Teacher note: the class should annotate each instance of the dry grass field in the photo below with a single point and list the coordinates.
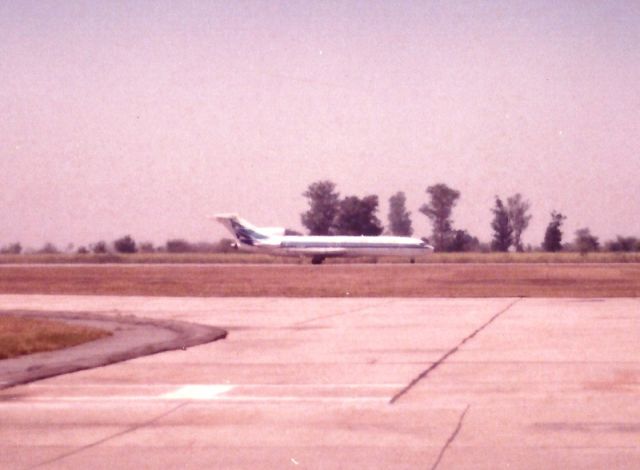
(249, 258)
(330, 280)
(20, 336)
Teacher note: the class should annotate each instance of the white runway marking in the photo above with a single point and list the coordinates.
(197, 392)
(238, 393)
(64, 402)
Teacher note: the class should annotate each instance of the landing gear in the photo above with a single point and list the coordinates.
(412, 260)
(317, 259)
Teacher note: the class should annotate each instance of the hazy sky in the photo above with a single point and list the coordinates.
(143, 117)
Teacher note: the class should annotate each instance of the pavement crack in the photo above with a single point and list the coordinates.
(449, 353)
(113, 436)
(452, 437)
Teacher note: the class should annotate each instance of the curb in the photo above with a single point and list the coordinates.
(131, 337)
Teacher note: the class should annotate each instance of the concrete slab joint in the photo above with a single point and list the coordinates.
(449, 353)
(451, 438)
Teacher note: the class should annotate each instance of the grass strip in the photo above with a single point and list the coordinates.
(331, 280)
(19, 335)
(248, 258)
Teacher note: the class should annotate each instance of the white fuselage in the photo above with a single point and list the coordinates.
(274, 241)
(341, 246)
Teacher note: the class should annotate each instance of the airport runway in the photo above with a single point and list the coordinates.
(345, 383)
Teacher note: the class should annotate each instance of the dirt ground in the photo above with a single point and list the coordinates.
(354, 280)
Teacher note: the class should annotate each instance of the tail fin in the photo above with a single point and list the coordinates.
(242, 230)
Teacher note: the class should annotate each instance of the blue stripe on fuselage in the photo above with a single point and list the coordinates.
(289, 244)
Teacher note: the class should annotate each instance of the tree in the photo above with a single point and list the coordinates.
(517, 209)
(462, 241)
(48, 249)
(125, 244)
(99, 248)
(179, 246)
(585, 242)
(205, 247)
(553, 235)
(358, 216)
(12, 249)
(399, 218)
(147, 247)
(443, 199)
(323, 202)
(226, 245)
(623, 244)
(502, 230)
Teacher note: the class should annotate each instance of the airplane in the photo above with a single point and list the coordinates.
(274, 241)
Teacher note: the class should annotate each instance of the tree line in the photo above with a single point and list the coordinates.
(331, 214)
(127, 245)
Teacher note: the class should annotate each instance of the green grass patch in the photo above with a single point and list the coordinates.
(20, 335)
